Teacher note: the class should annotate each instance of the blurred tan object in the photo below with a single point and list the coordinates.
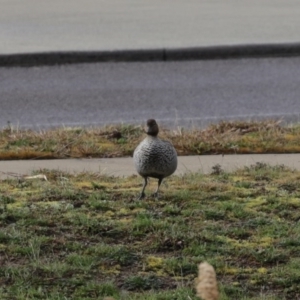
(39, 176)
(206, 285)
(21, 177)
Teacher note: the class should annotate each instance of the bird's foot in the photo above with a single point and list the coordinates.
(142, 195)
(155, 195)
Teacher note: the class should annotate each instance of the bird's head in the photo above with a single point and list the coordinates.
(152, 127)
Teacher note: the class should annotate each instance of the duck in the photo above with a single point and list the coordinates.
(154, 157)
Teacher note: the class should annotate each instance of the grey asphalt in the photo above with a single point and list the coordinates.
(188, 94)
(124, 166)
(92, 26)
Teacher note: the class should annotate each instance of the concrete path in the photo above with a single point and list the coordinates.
(93, 25)
(124, 166)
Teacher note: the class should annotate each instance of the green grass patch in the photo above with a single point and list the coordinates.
(77, 237)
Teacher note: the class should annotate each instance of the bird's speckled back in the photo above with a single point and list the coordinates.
(154, 157)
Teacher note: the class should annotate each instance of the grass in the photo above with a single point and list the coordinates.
(87, 237)
(117, 141)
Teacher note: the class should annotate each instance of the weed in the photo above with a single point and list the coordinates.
(142, 283)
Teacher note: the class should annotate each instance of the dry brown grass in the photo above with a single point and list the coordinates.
(117, 141)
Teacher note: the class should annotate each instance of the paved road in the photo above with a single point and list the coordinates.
(176, 93)
(39, 26)
(186, 94)
(124, 166)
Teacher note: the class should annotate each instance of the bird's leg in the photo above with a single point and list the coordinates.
(159, 183)
(143, 189)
